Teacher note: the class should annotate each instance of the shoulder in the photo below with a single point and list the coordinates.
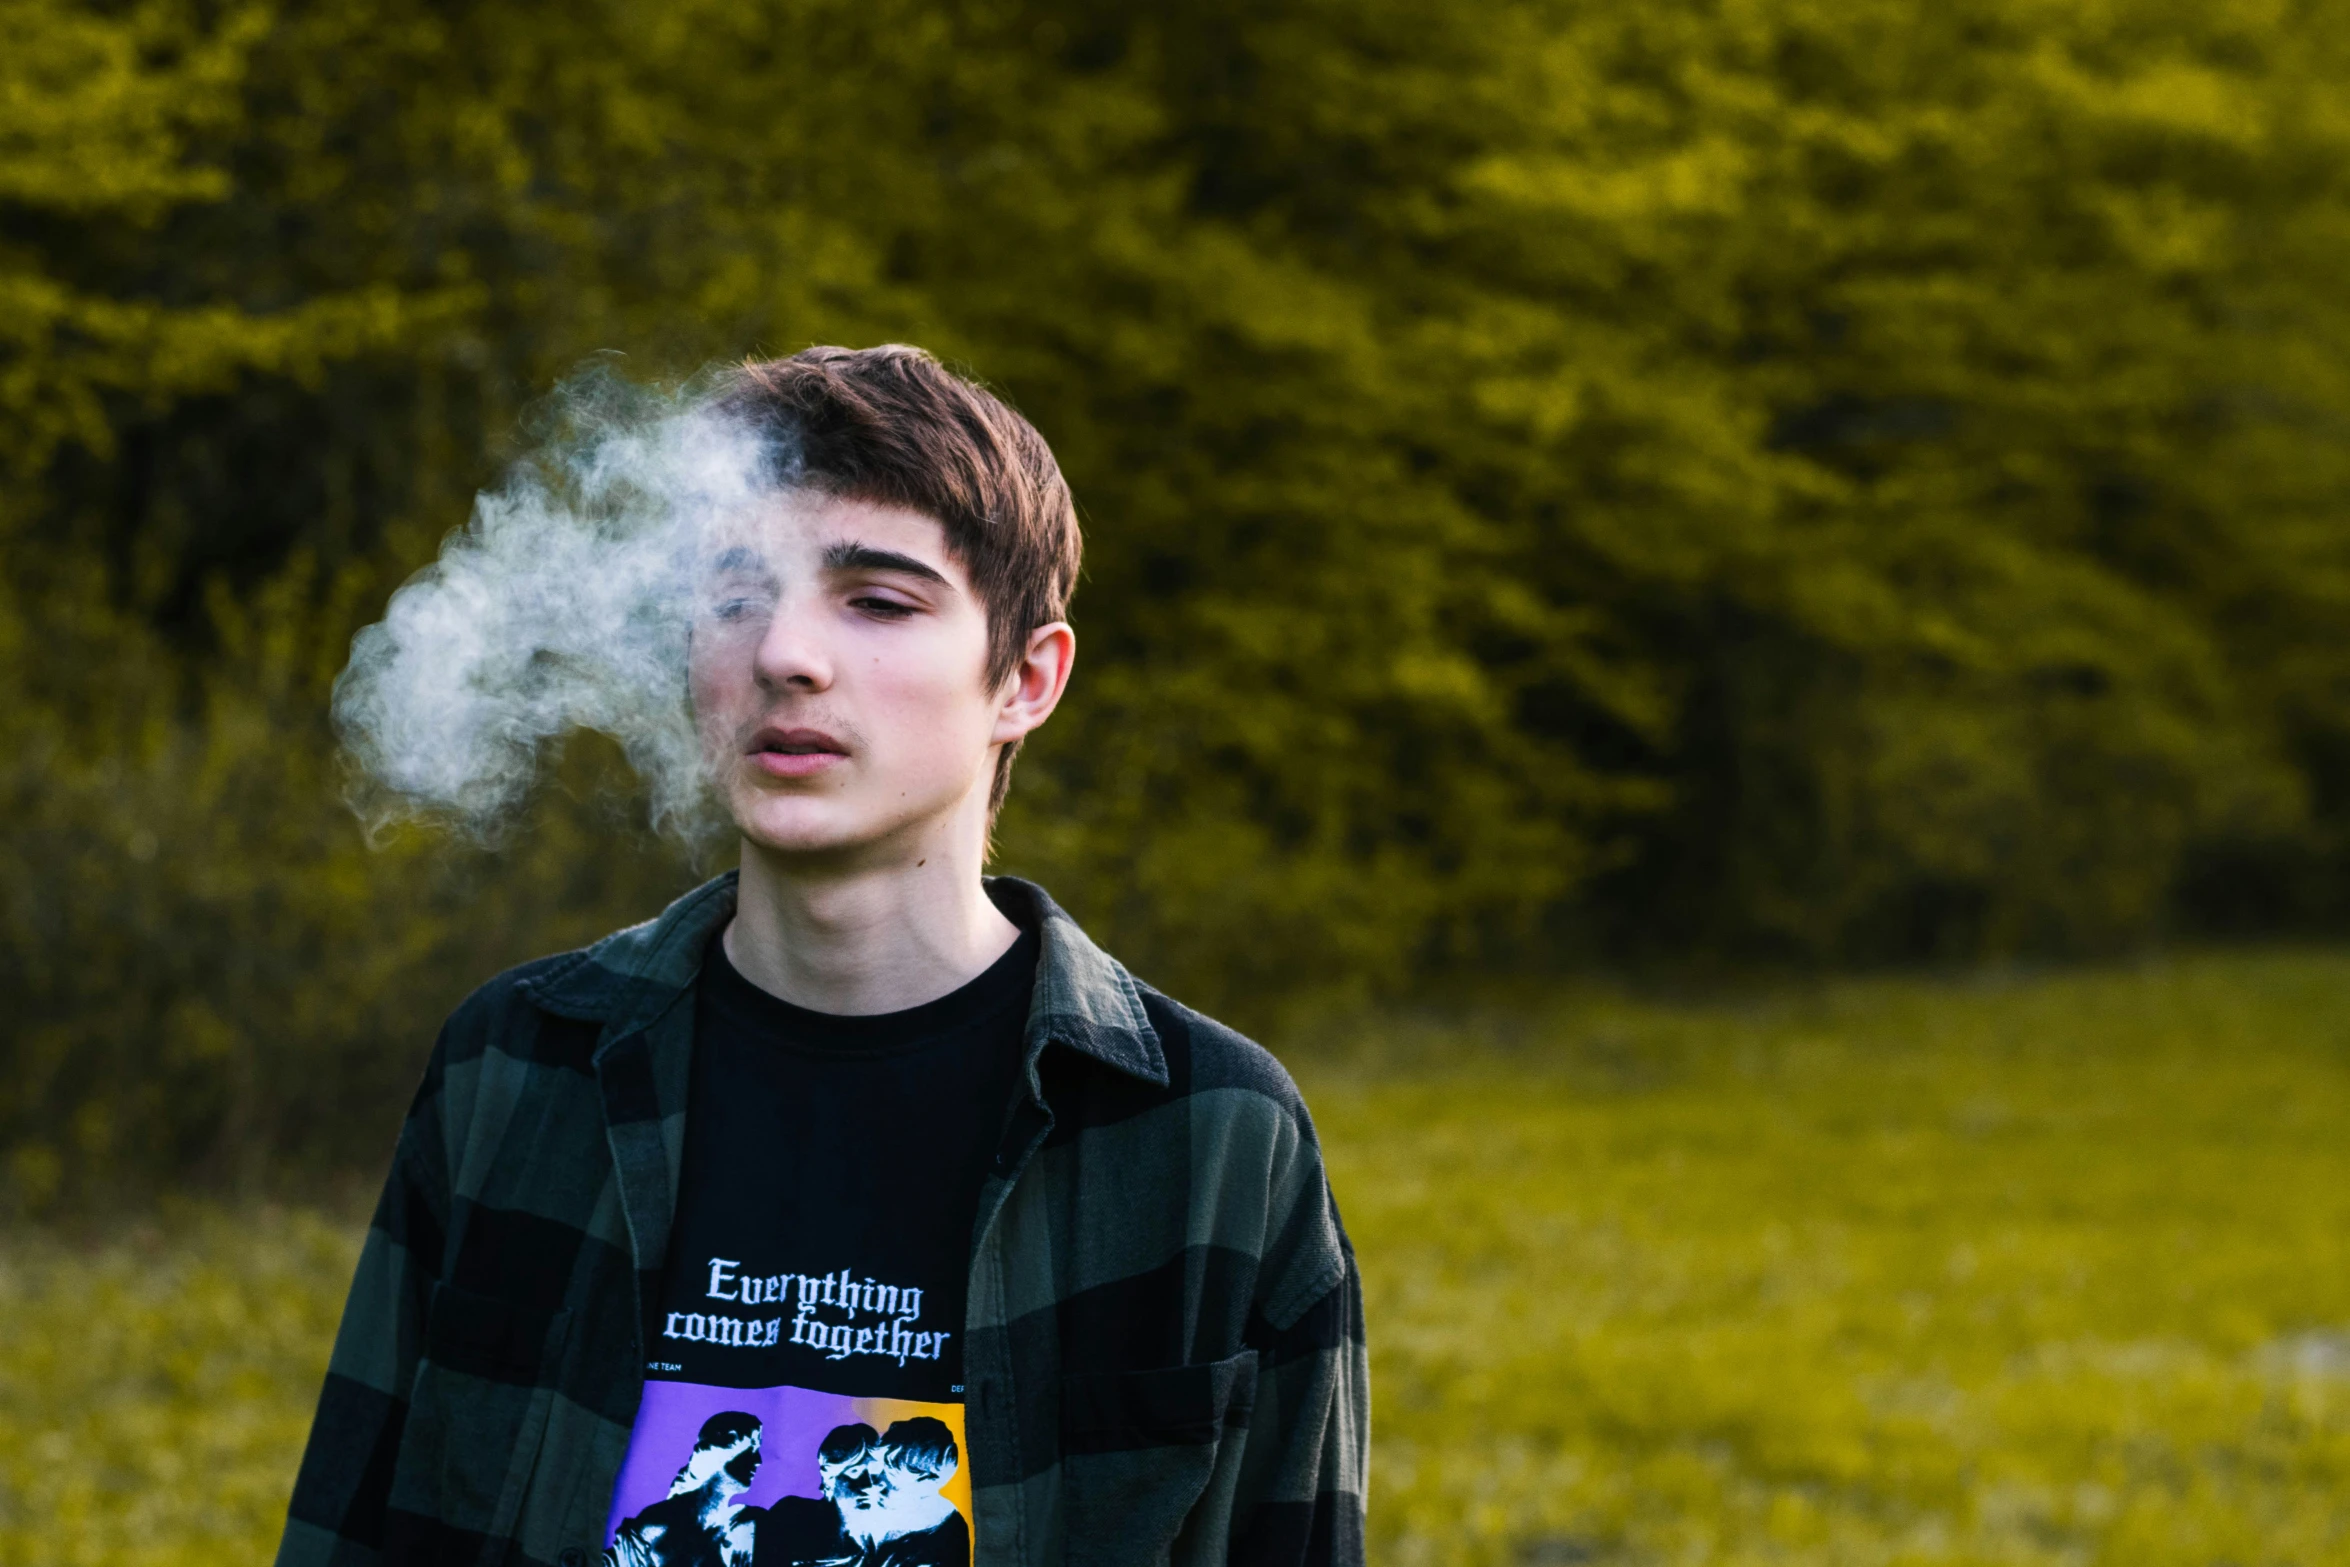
(1087, 998)
(1248, 1116)
(507, 1011)
(498, 997)
(500, 1041)
(1205, 1056)
(571, 994)
(669, 1510)
(1240, 1102)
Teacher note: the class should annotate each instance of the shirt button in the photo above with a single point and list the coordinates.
(572, 1556)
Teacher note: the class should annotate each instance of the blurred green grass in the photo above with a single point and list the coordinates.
(2038, 1270)
(2045, 1271)
(156, 1383)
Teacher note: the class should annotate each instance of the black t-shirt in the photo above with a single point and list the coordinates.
(804, 1386)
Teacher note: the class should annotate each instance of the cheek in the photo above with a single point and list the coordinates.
(710, 690)
(938, 716)
(942, 691)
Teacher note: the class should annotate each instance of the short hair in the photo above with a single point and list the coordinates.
(921, 1443)
(843, 1443)
(724, 1430)
(894, 427)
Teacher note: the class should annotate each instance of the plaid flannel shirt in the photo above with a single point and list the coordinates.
(1164, 1354)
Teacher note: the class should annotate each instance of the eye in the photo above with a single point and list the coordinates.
(881, 608)
(730, 609)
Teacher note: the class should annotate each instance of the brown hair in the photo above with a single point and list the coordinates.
(893, 426)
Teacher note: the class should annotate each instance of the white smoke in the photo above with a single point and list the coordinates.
(563, 604)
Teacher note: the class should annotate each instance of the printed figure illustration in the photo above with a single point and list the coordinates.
(881, 1504)
(699, 1523)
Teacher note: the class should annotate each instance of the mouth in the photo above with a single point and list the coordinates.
(795, 753)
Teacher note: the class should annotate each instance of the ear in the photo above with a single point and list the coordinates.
(1035, 687)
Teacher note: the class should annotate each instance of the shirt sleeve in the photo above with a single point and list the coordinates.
(342, 1491)
(1304, 1484)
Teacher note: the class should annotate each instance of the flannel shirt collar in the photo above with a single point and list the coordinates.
(1085, 1000)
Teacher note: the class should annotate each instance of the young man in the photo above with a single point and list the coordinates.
(858, 1209)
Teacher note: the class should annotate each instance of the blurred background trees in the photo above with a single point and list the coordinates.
(1787, 480)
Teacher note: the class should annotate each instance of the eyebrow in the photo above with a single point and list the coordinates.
(847, 556)
(740, 559)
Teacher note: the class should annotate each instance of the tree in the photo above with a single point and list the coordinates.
(1856, 481)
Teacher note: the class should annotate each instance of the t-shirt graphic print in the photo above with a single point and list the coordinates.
(803, 1396)
(795, 1475)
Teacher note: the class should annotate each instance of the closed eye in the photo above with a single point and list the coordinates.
(739, 598)
(882, 608)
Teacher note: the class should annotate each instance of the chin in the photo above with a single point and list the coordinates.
(797, 830)
(852, 820)
(808, 825)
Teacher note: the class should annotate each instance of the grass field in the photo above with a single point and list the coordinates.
(2050, 1270)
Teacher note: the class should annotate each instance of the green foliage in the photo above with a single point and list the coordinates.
(2043, 1272)
(1818, 481)
(209, 971)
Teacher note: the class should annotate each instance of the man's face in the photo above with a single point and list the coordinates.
(909, 1483)
(727, 1469)
(856, 1483)
(839, 676)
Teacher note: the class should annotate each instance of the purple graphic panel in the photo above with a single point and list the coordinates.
(750, 1448)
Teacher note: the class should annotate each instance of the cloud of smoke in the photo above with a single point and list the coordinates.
(564, 603)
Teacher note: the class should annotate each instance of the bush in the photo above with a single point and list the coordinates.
(1838, 483)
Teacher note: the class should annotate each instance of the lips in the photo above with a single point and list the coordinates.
(795, 753)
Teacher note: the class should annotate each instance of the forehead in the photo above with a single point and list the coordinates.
(796, 528)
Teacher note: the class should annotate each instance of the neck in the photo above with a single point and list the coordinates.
(920, 1512)
(855, 939)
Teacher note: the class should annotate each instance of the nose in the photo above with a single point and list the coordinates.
(790, 655)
